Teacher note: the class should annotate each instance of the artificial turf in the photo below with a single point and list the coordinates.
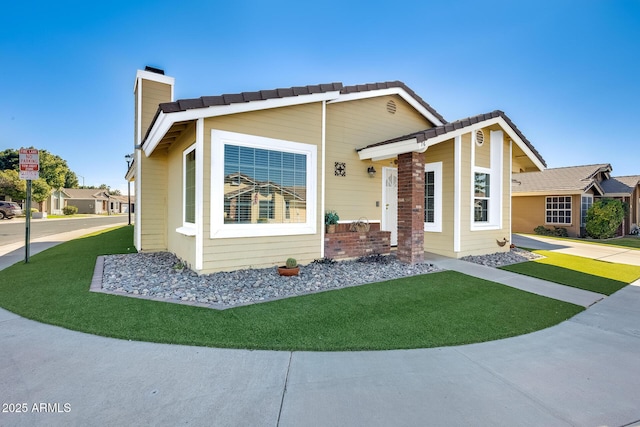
(579, 272)
(438, 309)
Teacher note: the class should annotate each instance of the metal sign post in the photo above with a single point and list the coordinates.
(27, 228)
(29, 170)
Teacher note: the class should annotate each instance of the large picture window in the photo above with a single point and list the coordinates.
(482, 194)
(264, 186)
(558, 210)
(261, 186)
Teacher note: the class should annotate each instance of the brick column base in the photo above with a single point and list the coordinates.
(411, 208)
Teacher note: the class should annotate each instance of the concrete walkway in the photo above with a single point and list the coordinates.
(525, 283)
(607, 253)
(582, 372)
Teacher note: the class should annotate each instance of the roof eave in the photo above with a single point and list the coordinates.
(164, 121)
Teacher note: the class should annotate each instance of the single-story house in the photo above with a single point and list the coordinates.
(90, 200)
(239, 180)
(560, 197)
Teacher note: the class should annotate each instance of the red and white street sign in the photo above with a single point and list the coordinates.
(29, 163)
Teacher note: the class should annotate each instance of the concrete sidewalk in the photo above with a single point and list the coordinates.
(600, 252)
(582, 372)
(519, 281)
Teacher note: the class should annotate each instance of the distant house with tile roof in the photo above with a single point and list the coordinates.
(560, 197)
(238, 180)
(87, 200)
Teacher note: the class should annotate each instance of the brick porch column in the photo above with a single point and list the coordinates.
(411, 208)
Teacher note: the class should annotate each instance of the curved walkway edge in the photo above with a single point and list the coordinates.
(581, 372)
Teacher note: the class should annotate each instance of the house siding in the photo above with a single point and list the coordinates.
(352, 125)
(182, 246)
(529, 212)
(153, 202)
(302, 124)
(442, 242)
(154, 93)
(479, 242)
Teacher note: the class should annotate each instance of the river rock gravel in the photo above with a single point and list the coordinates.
(162, 275)
(500, 259)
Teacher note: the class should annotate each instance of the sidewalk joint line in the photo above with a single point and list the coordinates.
(284, 391)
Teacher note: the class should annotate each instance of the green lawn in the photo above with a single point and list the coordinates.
(439, 309)
(584, 273)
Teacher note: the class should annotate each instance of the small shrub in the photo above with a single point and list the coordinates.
(541, 230)
(70, 210)
(604, 217)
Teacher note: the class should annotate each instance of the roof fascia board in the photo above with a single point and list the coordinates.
(616, 195)
(165, 120)
(392, 150)
(546, 193)
(382, 152)
(389, 91)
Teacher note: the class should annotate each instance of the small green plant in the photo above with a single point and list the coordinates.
(291, 263)
(70, 210)
(331, 217)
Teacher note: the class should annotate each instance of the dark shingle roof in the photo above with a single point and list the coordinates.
(426, 134)
(620, 184)
(228, 99)
(235, 98)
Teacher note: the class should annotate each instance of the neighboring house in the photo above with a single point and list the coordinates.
(123, 203)
(560, 197)
(233, 181)
(626, 189)
(56, 201)
(90, 200)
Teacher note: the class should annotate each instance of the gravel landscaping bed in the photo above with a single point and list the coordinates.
(162, 275)
(503, 258)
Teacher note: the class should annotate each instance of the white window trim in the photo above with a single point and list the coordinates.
(188, 228)
(588, 196)
(564, 224)
(221, 230)
(495, 172)
(436, 225)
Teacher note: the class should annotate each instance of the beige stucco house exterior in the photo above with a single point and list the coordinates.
(243, 180)
(560, 197)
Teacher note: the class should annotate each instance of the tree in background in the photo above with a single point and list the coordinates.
(53, 168)
(11, 185)
(604, 217)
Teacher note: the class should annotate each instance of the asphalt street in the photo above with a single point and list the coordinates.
(13, 230)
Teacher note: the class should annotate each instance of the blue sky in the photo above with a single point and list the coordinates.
(566, 72)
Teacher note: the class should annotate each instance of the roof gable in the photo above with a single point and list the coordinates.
(421, 140)
(568, 180)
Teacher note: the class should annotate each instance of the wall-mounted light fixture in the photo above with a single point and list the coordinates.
(371, 171)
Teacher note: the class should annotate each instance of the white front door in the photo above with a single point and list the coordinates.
(390, 203)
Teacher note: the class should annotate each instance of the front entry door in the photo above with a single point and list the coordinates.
(390, 203)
